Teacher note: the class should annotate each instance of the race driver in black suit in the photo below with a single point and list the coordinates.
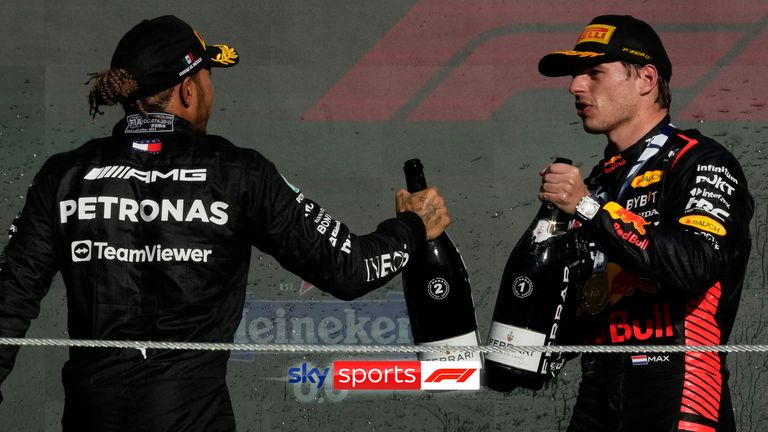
(152, 229)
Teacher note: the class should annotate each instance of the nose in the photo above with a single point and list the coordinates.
(578, 84)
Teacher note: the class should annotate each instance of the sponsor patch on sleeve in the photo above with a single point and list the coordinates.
(703, 223)
(618, 212)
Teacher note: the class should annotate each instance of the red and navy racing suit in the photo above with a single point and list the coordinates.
(152, 230)
(673, 241)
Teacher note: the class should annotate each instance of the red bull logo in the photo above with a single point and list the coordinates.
(630, 237)
(626, 216)
(656, 324)
(613, 163)
(623, 283)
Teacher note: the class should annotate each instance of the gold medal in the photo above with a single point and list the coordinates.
(594, 295)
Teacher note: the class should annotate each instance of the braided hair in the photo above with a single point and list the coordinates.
(120, 86)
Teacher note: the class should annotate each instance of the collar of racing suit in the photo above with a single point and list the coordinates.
(631, 154)
(155, 122)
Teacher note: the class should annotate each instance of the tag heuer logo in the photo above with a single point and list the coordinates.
(81, 250)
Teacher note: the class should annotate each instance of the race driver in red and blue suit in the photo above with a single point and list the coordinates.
(668, 212)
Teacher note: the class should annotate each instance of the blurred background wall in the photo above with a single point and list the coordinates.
(338, 94)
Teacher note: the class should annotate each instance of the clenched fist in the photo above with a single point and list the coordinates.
(562, 185)
(429, 205)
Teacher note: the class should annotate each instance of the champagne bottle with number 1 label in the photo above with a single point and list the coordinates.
(437, 291)
(532, 301)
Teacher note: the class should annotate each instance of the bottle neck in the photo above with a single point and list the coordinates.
(549, 222)
(414, 176)
(416, 184)
(548, 211)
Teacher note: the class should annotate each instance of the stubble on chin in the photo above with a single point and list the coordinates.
(591, 130)
(595, 124)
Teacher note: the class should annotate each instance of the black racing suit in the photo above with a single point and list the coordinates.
(672, 254)
(152, 230)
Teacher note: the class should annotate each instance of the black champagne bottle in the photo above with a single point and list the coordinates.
(531, 302)
(437, 291)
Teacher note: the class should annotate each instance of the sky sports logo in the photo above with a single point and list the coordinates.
(392, 375)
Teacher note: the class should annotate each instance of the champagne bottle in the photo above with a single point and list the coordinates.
(437, 290)
(531, 303)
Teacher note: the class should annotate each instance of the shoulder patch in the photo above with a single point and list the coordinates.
(703, 223)
(690, 143)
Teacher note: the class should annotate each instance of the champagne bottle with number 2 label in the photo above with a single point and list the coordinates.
(437, 290)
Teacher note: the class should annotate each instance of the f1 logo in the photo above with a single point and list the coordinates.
(442, 375)
(81, 250)
(463, 60)
(458, 375)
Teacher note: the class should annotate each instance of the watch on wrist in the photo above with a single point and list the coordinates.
(588, 207)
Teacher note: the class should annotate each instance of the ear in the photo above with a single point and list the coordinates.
(187, 92)
(648, 79)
